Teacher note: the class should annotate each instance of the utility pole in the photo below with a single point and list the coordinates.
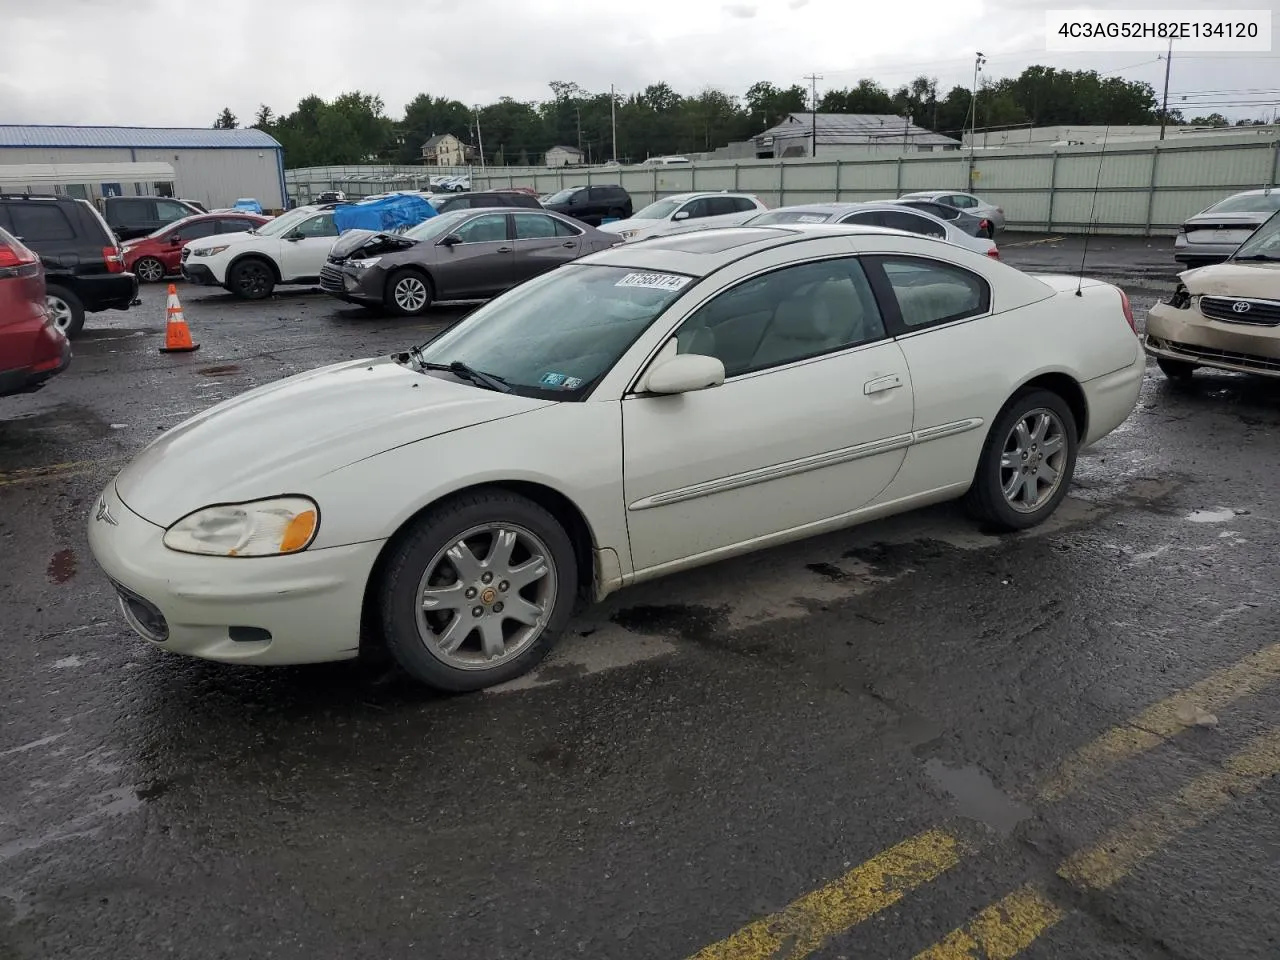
(1164, 105)
(613, 121)
(813, 79)
(978, 61)
(479, 139)
(577, 108)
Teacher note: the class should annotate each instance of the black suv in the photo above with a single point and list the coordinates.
(132, 217)
(84, 269)
(484, 198)
(592, 204)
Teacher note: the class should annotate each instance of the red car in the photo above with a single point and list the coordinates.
(32, 348)
(158, 255)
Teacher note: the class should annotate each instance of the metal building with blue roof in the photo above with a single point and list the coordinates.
(214, 167)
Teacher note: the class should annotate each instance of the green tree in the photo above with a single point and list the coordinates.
(1212, 120)
(226, 120)
(264, 119)
(767, 104)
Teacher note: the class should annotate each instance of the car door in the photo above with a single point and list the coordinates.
(694, 210)
(132, 217)
(960, 375)
(304, 248)
(175, 239)
(811, 423)
(541, 243)
(480, 263)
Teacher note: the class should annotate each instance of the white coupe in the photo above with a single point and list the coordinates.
(635, 413)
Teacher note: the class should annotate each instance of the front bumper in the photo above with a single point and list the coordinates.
(365, 286)
(1188, 335)
(200, 274)
(298, 609)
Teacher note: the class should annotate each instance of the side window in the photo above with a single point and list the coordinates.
(930, 292)
(235, 225)
(564, 230)
(742, 205)
(486, 228)
(318, 226)
(168, 210)
(130, 211)
(867, 218)
(190, 231)
(790, 314)
(963, 201)
(534, 226)
(721, 206)
(695, 209)
(901, 220)
(37, 222)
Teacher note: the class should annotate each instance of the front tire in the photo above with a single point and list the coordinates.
(408, 294)
(251, 279)
(66, 308)
(1178, 370)
(477, 591)
(149, 270)
(1027, 462)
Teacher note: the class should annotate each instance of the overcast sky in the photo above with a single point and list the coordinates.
(178, 62)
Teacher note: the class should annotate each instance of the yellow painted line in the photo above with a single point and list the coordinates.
(1006, 928)
(803, 926)
(1163, 720)
(1001, 931)
(48, 472)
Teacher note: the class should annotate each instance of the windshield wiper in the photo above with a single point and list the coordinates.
(466, 372)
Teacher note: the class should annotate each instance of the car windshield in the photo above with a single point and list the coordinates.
(1263, 243)
(788, 216)
(1248, 203)
(283, 223)
(555, 336)
(659, 211)
(562, 196)
(175, 226)
(437, 227)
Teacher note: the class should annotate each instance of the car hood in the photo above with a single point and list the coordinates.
(1259, 279)
(633, 224)
(275, 439)
(368, 242)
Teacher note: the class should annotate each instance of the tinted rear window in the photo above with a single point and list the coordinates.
(40, 222)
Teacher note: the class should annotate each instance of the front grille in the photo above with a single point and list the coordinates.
(1247, 360)
(331, 279)
(1258, 312)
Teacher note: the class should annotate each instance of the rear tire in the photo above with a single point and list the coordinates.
(514, 564)
(409, 293)
(149, 270)
(1178, 370)
(66, 308)
(251, 279)
(1032, 442)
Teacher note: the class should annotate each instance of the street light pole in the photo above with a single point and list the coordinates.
(479, 138)
(613, 120)
(1164, 105)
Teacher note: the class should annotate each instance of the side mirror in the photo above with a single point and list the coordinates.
(684, 373)
(681, 215)
(452, 240)
(175, 239)
(293, 236)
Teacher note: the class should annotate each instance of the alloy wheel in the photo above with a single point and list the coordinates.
(1032, 461)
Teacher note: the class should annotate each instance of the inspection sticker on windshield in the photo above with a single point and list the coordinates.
(812, 218)
(573, 383)
(553, 379)
(653, 281)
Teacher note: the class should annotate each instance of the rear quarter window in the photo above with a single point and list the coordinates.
(40, 222)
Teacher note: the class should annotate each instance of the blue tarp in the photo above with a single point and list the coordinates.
(387, 214)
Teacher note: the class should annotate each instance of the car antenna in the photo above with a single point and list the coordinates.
(1097, 184)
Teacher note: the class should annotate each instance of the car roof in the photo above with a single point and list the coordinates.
(706, 193)
(702, 252)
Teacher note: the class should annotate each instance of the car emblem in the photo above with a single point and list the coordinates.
(104, 513)
(1240, 306)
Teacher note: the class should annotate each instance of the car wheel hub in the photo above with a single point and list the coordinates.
(410, 294)
(60, 310)
(486, 597)
(1031, 464)
(150, 270)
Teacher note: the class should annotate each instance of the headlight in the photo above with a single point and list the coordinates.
(363, 264)
(628, 234)
(209, 251)
(263, 528)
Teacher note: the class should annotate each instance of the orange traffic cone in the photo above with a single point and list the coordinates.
(177, 335)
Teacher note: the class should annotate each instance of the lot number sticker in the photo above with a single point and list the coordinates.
(653, 281)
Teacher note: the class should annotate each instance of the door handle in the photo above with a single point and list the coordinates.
(504, 249)
(571, 243)
(881, 384)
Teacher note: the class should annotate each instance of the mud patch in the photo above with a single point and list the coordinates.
(62, 567)
(828, 571)
(892, 559)
(691, 622)
(223, 370)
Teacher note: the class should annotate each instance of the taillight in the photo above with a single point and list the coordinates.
(18, 261)
(115, 259)
(1128, 311)
(993, 253)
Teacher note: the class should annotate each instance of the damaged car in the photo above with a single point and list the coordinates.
(461, 255)
(1226, 315)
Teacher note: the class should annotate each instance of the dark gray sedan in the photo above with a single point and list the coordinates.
(460, 255)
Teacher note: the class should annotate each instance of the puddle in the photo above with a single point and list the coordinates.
(689, 622)
(892, 559)
(975, 796)
(1220, 515)
(225, 370)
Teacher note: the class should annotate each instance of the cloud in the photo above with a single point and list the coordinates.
(797, 4)
(743, 11)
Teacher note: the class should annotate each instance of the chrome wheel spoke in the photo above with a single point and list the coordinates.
(1041, 428)
(491, 637)
(456, 633)
(1023, 435)
(528, 572)
(1013, 485)
(1030, 488)
(499, 559)
(1011, 460)
(451, 597)
(1053, 445)
(1032, 465)
(1047, 474)
(522, 611)
(464, 562)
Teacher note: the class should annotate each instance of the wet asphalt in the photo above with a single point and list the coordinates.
(697, 754)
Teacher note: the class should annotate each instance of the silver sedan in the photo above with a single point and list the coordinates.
(1214, 233)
